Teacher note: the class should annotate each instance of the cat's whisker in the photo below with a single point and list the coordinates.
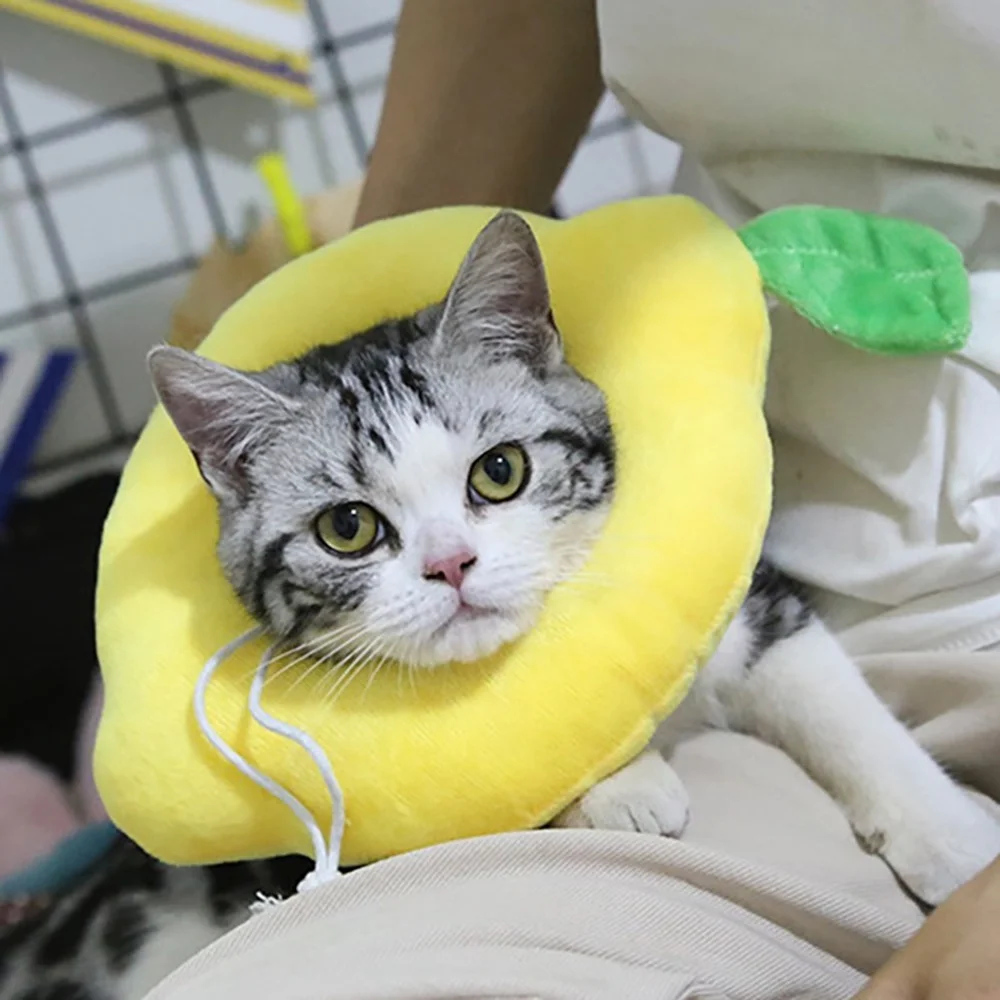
(386, 656)
(372, 638)
(322, 663)
(316, 666)
(358, 661)
(356, 651)
(363, 662)
(308, 648)
(317, 642)
(333, 692)
(335, 680)
(325, 651)
(247, 674)
(339, 639)
(362, 631)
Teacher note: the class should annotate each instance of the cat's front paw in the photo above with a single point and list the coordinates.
(645, 796)
(938, 852)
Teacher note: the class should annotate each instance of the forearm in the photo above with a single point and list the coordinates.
(486, 102)
(955, 955)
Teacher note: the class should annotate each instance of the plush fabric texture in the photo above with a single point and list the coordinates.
(881, 284)
(661, 304)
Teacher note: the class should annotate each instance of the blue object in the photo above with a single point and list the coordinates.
(64, 866)
(32, 379)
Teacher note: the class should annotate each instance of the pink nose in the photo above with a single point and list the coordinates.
(451, 569)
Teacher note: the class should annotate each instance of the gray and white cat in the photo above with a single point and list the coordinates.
(418, 488)
(416, 491)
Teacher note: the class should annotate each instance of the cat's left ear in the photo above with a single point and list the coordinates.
(223, 414)
(499, 300)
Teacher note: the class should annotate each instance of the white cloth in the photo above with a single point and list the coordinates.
(887, 470)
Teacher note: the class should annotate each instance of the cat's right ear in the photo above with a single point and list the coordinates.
(222, 414)
(499, 300)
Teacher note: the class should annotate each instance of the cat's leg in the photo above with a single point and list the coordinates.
(803, 693)
(645, 796)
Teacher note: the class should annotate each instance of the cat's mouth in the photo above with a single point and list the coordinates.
(470, 632)
(466, 613)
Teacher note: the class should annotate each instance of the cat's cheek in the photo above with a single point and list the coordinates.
(515, 565)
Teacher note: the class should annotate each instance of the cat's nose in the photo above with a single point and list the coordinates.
(450, 569)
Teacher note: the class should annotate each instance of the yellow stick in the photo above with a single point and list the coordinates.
(288, 205)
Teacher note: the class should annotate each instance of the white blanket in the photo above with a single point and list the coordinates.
(887, 470)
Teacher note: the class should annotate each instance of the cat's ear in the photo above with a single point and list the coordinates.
(222, 414)
(500, 297)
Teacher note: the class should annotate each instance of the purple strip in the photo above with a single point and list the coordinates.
(265, 66)
(21, 445)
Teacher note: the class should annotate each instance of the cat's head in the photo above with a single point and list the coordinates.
(415, 491)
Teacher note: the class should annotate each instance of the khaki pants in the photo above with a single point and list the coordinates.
(768, 895)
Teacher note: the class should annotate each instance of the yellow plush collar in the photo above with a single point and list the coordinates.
(661, 305)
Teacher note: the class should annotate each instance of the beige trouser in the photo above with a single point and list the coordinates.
(768, 895)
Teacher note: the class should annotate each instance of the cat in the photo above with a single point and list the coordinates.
(416, 491)
(128, 923)
(419, 487)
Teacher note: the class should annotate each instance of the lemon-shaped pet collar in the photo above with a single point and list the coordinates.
(661, 304)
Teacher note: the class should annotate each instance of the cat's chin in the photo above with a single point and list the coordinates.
(472, 634)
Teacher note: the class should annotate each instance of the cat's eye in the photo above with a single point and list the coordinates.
(498, 475)
(349, 529)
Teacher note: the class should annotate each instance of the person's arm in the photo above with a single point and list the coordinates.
(485, 104)
(955, 955)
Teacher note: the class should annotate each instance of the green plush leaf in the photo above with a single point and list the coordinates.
(881, 284)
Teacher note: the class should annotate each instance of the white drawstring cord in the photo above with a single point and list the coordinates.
(328, 869)
(327, 853)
